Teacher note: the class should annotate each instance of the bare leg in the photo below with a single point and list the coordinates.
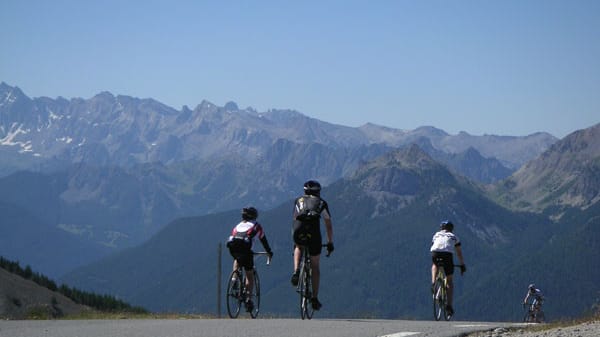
(297, 254)
(433, 272)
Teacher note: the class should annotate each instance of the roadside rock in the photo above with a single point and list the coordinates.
(587, 329)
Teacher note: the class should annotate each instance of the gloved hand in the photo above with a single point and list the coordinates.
(270, 254)
(329, 247)
(463, 269)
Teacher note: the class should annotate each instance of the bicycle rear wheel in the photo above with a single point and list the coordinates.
(234, 294)
(439, 300)
(255, 296)
(539, 317)
(302, 291)
(306, 302)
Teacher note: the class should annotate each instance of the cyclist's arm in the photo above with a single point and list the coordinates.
(328, 229)
(265, 244)
(459, 254)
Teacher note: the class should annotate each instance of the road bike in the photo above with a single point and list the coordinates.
(533, 312)
(237, 294)
(304, 287)
(440, 293)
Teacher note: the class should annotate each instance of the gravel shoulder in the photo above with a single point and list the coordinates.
(587, 329)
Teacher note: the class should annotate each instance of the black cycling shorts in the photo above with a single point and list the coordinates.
(242, 252)
(445, 260)
(308, 234)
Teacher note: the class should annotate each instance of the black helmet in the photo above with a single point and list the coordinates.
(312, 187)
(447, 225)
(249, 213)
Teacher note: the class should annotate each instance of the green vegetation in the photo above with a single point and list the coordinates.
(104, 303)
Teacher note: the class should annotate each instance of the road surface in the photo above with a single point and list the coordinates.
(241, 327)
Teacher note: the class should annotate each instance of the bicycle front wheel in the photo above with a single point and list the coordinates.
(255, 296)
(439, 300)
(527, 317)
(234, 294)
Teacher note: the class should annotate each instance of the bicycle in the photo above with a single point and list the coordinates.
(236, 290)
(440, 294)
(304, 287)
(533, 312)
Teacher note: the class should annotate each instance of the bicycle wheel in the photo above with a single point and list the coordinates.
(539, 317)
(302, 291)
(439, 300)
(527, 317)
(234, 294)
(255, 296)
(306, 303)
(530, 315)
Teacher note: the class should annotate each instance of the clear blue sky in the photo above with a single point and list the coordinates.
(484, 67)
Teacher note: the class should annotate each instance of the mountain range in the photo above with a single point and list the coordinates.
(108, 172)
(384, 216)
(146, 192)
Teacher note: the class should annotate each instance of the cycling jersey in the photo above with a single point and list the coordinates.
(241, 239)
(536, 295)
(444, 241)
(310, 208)
(247, 231)
(306, 227)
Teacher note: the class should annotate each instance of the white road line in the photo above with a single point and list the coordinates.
(401, 334)
(470, 325)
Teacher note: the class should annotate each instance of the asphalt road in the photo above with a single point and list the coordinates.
(240, 327)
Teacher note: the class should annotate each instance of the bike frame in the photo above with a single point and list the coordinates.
(534, 313)
(237, 297)
(440, 294)
(304, 288)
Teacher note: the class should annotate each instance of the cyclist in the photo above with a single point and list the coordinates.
(308, 210)
(536, 294)
(443, 244)
(240, 247)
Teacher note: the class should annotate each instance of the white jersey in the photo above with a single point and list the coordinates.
(444, 241)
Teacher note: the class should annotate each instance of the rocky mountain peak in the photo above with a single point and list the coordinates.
(231, 106)
(401, 172)
(565, 175)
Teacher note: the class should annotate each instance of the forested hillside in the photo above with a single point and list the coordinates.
(26, 294)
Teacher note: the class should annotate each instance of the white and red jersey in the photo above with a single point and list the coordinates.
(247, 231)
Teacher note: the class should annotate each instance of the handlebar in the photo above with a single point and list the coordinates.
(323, 245)
(264, 253)
(328, 252)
